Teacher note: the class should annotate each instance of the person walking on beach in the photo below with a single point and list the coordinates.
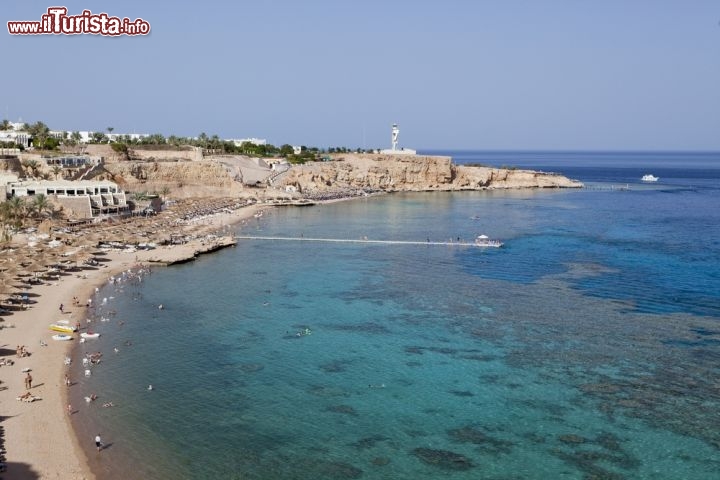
(28, 381)
(98, 442)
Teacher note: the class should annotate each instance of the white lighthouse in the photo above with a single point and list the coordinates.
(395, 135)
(394, 142)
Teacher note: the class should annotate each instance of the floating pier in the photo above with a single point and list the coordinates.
(361, 240)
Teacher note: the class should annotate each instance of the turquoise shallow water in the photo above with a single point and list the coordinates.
(587, 347)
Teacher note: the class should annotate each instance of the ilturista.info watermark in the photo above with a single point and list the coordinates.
(57, 22)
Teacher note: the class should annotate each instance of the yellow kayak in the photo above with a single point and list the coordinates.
(57, 327)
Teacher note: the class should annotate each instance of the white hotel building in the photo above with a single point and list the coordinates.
(86, 198)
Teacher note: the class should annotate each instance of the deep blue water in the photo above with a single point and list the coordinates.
(589, 345)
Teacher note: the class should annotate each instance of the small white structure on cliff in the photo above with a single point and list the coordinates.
(394, 141)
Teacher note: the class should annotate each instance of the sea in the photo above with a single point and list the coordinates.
(587, 347)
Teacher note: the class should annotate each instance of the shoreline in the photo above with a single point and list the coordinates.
(36, 443)
(32, 428)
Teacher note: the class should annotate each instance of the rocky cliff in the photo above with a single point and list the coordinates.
(389, 173)
(182, 179)
(412, 173)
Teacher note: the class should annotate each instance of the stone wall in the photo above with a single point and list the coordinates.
(77, 207)
(193, 154)
(138, 153)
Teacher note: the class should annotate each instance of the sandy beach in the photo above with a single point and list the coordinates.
(39, 440)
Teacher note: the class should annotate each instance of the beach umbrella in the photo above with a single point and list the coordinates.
(84, 256)
(37, 267)
(40, 258)
(93, 239)
(6, 280)
(5, 265)
(128, 237)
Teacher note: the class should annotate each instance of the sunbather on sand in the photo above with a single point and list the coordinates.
(27, 397)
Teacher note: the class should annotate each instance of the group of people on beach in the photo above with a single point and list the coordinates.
(22, 351)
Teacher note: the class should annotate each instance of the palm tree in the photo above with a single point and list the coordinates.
(5, 125)
(40, 133)
(5, 222)
(17, 210)
(31, 166)
(76, 138)
(56, 169)
(5, 212)
(203, 138)
(5, 233)
(55, 212)
(40, 204)
(139, 196)
(98, 137)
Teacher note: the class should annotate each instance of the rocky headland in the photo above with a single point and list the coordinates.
(228, 176)
(416, 173)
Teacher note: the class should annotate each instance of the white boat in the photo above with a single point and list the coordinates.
(89, 335)
(485, 241)
(649, 178)
(62, 337)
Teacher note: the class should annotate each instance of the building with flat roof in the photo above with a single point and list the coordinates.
(239, 141)
(118, 137)
(86, 198)
(16, 137)
(71, 161)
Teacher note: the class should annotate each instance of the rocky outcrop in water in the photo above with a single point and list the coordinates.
(397, 173)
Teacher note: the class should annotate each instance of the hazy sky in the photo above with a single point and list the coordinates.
(560, 75)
